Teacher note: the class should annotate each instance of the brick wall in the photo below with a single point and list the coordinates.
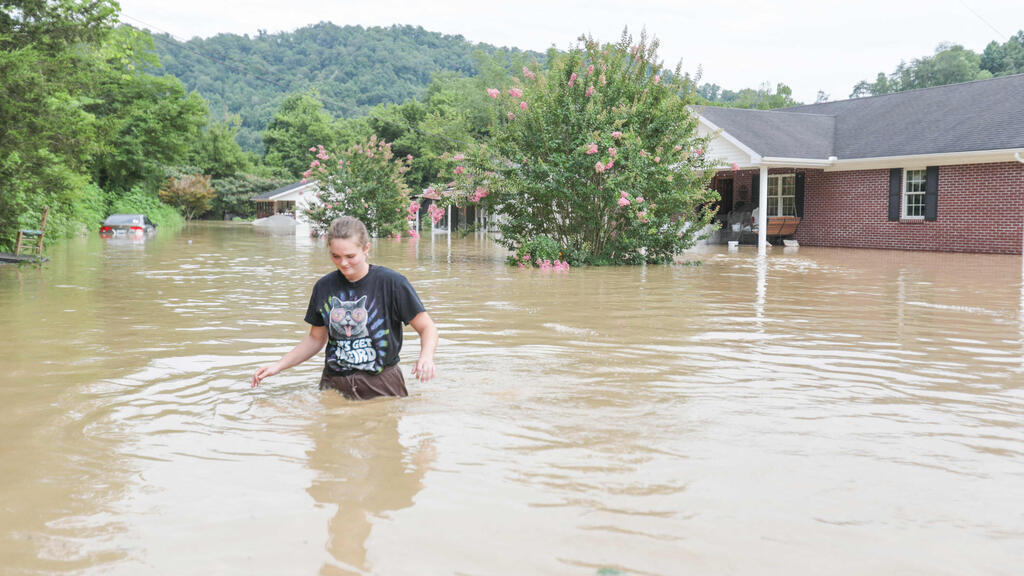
(980, 209)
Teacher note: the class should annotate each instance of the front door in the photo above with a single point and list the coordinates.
(724, 189)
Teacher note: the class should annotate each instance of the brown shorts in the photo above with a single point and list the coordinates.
(365, 385)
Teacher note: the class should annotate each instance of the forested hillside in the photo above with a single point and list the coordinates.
(352, 68)
(950, 64)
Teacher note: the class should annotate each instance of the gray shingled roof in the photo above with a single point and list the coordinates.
(281, 190)
(774, 133)
(973, 116)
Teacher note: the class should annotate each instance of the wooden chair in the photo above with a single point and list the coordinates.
(23, 234)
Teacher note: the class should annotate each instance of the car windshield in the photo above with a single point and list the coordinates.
(120, 219)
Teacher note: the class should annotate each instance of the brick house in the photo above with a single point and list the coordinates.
(933, 169)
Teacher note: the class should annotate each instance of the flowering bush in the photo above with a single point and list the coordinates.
(364, 181)
(600, 154)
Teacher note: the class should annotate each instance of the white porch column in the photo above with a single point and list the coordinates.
(762, 213)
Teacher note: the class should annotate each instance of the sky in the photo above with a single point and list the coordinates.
(809, 45)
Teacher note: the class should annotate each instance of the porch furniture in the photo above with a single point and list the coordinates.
(779, 226)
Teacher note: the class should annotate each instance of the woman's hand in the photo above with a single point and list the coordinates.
(424, 326)
(424, 369)
(265, 371)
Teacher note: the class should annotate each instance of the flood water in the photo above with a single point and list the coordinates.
(820, 411)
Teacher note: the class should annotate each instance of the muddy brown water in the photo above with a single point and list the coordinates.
(817, 411)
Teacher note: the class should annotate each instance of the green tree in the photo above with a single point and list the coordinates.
(192, 194)
(298, 124)
(216, 152)
(364, 181)
(1004, 59)
(598, 154)
(47, 136)
(950, 64)
(146, 122)
(235, 193)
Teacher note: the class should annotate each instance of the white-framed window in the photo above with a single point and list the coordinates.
(782, 195)
(913, 193)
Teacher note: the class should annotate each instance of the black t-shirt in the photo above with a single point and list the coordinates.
(364, 319)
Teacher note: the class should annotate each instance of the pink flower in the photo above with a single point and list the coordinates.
(460, 169)
(609, 165)
(677, 147)
(312, 148)
(314, 163)
(303, 181)
(493, 93)
(616, 135)
(735, 166)
(459, 157)
(414, 207)
(572, 79)
(341, 162)
(522, 266)
(515, 92)
(408, 157)
(526, 257)
(603, 80)
(657, 159)
(642, 216)
(643, 152)
(623, 201)
(599, 167)
(612, 152)
(590, 69)
(639, 199)
(592, 149)
(657, 78)
(528, 74)
(511, 116)
(414, 234)
(700, 151)
(590, 91)
(522, 105)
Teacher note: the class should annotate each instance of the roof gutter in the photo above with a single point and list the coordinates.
(798, 162)
(1018, 157)
(940, 159)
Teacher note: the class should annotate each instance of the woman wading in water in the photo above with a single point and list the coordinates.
(358, 311)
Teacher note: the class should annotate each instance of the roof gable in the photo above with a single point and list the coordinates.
(957, 118)
(286, 190)
(776, 134)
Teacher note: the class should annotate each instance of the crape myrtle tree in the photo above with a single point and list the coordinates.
(598, 156)
(364, 181)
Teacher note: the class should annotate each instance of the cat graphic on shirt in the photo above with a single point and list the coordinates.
(348, 327)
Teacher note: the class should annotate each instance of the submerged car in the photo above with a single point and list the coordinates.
(127, 225)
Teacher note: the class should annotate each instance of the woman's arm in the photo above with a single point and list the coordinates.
(424, 325)
(309, 345)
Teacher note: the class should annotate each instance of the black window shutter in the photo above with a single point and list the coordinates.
(931, 193)
(755, 190)
(799, 196)
(895, 188)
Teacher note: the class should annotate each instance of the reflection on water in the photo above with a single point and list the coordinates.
(817, 410)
